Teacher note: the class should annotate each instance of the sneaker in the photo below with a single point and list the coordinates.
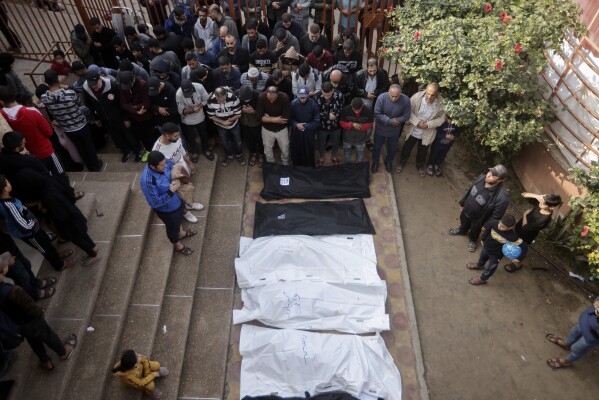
(241, 161)
(471, 246)
(400, 168)
(190, 217)
(144, 158)
(125, 157)
(163, 371)
(194, 206)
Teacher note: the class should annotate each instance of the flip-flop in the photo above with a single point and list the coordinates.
(511, 267)
(49, 292)
(555, 340)
(185, 250)
(554, 363)
(189, 233)
(48, 281)
(71, 340)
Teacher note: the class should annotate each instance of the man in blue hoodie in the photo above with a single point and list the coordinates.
(160, 192)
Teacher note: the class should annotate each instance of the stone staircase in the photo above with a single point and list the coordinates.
(141, 295)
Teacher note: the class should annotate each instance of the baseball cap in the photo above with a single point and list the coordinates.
(153, 86)
(187, 88)
(261, 44)
(303, 92)
(499, 171)
(253, 72)
(357, 103)
(92, 78)
(125, 79)
(153, 43)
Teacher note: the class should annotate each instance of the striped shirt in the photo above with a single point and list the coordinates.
(66, 108)
(230, 108)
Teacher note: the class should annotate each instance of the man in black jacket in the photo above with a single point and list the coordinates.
(486, 199)
(163, 102)
(102, 96)
(349, 56)
(370, 83)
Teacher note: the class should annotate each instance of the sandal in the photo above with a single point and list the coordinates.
(209, 155)
(48, 366)
(511, 267)
(226, 162)
(189, 233)
(555, 363)
(194, 158)
(437, 171)
(46, 293)
(473, 266)
(320, 162)
(556, 340)
(421, 172)
(476, 281)
(185, 250)
(46, 282)
(79, 195)
(65, 254)
(455, 232)
(252, 161)
(335, 161)
(430, 171)
(261, 161)
(71, 340)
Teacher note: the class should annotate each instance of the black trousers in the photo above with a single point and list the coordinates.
(172, 222)
(122, 137)
(38, 333)
(191, 132)
(407, 150)
(253, 138)
(472, 227)
(41, 242)
(75, 230)
(145, 132)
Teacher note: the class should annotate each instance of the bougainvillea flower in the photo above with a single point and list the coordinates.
(585, 231)
(502, 15)
(384, 50)
(506, 19)
(518, 48)
(417, 35)
(542, 73)
(499, 65)
(488, 7)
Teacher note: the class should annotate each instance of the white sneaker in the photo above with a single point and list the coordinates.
(194, 206)
(163, 371)
(190, 217)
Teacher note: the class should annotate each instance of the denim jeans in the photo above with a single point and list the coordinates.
(359, 151)
(579, 347)
(230, 137)
(322, 139)
(491, 261)
(391, 148)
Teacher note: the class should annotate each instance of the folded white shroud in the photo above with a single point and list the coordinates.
(316, 306)
(288, 362)
(349, 259)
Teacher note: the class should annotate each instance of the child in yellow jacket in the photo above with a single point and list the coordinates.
(139, 372)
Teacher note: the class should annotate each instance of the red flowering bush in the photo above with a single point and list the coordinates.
(486, 57)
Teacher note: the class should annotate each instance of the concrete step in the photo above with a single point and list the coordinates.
(70, 309)
(111, 305)
(170, 346)
(112, 163)
(208, 324)
(161, 304)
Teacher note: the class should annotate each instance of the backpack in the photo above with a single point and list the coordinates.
(10, 336)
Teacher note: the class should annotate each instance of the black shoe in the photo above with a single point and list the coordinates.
(369, 146)
(139, 156)
(125, 157)
(99, 167)
(389, 167)
(375, 168)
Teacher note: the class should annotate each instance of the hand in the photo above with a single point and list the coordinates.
(370, 96)
(449, 136)
(127, 124)
(175, 184)
(275, 5)
(422, 125)
(279, 120)
(332, 117)
(97, 44)
(163, 111)
(226, 123)
(300, 126)
(156, 373)
(142, 111)
(394, 122)
(198, 107)
(280, 45)
(357, 126)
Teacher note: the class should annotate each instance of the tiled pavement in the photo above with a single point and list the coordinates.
(402, 340)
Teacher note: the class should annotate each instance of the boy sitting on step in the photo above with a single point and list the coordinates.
(139, 372)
